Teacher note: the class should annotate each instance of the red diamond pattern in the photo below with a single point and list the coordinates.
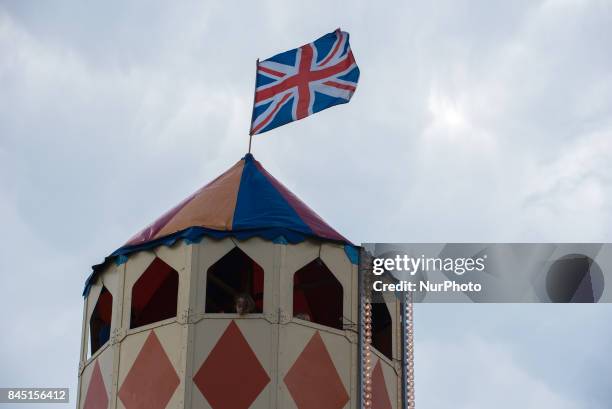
(380, 394)
(97, 397)
(231, 377)
(313, 381)
(152, 380)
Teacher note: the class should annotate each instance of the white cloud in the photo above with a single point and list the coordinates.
(474, 373)
(573, 185)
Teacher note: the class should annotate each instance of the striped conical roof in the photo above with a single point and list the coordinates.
(243, 202)
(245, 199)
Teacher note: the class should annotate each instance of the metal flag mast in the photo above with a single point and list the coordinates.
(254, 94)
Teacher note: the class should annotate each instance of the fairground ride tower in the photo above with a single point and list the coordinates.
(161, 322)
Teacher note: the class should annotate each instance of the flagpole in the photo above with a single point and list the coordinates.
(254, 93)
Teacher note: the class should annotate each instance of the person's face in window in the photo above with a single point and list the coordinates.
(242, 306)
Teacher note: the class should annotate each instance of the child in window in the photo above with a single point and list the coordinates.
(244, 304)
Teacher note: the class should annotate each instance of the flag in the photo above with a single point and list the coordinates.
(300, 82)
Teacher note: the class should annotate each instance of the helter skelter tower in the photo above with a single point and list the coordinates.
(160, 327)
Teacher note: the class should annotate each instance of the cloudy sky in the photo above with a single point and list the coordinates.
(473, 121)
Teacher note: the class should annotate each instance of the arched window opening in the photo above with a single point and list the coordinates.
(154, 295)
(234, 284)
(382, 329)
(317, 295)
(100, 321)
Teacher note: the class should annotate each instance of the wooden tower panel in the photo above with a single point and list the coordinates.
(233, 363)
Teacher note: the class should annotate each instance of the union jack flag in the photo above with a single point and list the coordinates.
(300, 82)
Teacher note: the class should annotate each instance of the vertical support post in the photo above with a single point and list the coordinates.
(360, 311)
(119, 306)
(365, 330)
(83, 352)
(408, 370)
(404, 352)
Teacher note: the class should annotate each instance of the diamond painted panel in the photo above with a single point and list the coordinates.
(152, 380)
(231, 377)
(313, 380)
(380, 394)
(97, 397)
